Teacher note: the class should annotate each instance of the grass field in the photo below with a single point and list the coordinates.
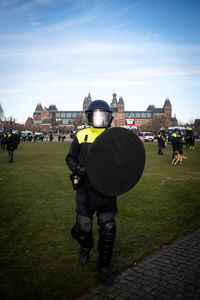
(39, 259)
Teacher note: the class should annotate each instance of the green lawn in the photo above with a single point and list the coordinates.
(39, 259)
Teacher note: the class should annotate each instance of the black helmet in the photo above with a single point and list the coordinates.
(99, 114)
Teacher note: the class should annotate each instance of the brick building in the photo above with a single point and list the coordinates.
(150, 119)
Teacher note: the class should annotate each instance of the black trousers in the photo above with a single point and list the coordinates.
(3, 145)
(160, 149)
(10, 153)
(89, 202)
(106, 211)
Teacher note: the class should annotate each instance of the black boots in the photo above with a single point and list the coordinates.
(106, 274)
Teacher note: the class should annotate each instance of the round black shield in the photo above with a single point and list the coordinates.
(116, 161)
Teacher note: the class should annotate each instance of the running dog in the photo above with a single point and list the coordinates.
(178, 158)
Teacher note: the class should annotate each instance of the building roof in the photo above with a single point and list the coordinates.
(114, 99)
(167, 103)
(52, 107)
(151, 107)
(121, 101)
(87, 100)
(173, 119)
(39, 107)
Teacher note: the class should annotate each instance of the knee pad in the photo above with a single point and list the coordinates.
(106, 220)
(85, 239)
(105, 217)
(84, 223)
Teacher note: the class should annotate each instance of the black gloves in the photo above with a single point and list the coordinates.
(80, 171)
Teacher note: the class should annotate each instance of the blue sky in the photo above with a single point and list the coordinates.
(56, 51)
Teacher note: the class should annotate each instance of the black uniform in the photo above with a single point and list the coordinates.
(3, 140)
(189, 138)
(161, 142)
(176, 140)
(12, 142)
(88, 200)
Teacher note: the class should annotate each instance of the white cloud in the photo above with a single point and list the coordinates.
(36, 23)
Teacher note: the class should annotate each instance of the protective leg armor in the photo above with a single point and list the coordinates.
(85, 239)
(107, 233)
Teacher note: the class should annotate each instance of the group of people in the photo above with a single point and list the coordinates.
(9, 142)
(176, 140)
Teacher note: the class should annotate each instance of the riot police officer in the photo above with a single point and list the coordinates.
(161, 140)
(176, 140)
(3, 140)
(12, 142)
(189, 138)
(88, 200)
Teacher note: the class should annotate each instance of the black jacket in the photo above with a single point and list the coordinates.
(77, 157)
(12, 141)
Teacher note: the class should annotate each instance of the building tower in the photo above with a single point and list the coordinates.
(86, 103)
(121, 114)
(167, 108)
(117, 108)
(114, 101)
(38, 112)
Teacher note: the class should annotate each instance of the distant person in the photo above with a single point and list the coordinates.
(161, 142)
(11, 144)
(51, 137)
(189, 138)
(30, 137)
(63, 137)
(3, 141)
(176, 141)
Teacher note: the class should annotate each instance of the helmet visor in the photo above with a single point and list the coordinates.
(98, 118)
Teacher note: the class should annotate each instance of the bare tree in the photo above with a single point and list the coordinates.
(77, 122)
(181, 123)
(157, 123)
(191, 121)
(197, 126)
(1, 113)
(9, 123)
